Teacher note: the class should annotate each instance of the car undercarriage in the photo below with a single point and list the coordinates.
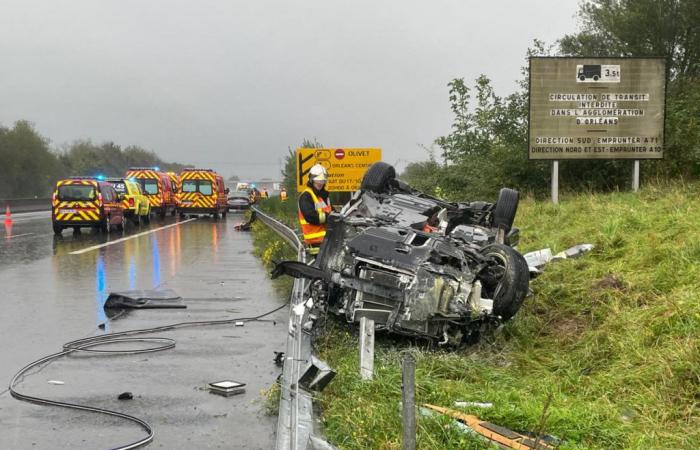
(418, 265)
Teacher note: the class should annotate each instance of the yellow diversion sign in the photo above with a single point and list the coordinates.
(345, 166)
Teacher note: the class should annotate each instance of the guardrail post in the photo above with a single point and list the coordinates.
(408, 410)
(366, 348)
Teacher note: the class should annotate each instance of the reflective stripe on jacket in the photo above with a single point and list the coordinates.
(314, 234)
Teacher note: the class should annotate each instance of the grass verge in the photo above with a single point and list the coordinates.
(611, 338)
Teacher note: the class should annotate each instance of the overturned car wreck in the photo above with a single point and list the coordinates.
(418, 265)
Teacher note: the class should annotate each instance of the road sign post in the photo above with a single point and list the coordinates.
(555, 182)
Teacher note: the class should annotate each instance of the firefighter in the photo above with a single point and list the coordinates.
(283, 194)
(314, 207)
(265, 194)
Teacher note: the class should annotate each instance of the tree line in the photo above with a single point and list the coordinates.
(29, 167)
(487, 146)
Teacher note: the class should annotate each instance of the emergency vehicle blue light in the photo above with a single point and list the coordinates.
(156, 168)
(100, 177)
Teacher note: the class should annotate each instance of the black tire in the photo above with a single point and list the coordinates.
(215, 216)
(596, 78)
(506, 280)
(76, 230)
(136, 220)
(162, 213)
(582, 78)
(377, 177)
(121, 225)
(146, 219)
(57, 229)
(173, 213)
(506, 208)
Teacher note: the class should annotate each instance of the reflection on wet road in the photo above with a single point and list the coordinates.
(53, 288)
(42, 278)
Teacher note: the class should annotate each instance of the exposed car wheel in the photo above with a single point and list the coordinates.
(377, 177)
(506, 207)
(57, 229)
(505, 280)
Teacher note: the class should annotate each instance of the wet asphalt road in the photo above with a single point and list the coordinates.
(50, 296)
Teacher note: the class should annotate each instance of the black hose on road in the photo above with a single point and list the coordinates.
(89, 344)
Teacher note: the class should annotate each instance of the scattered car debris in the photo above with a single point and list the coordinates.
(245, 226)
(126, 396)
(316, 374)
(144, 299)
(474, 404)
(415, 264)
(56, 382)
(536, 260)
(226, 388)
(500, 435)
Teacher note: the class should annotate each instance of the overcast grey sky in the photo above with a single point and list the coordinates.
(230, 84)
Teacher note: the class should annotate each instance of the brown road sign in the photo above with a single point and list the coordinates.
(596, 108)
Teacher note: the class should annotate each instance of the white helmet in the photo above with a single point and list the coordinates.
(318, 173)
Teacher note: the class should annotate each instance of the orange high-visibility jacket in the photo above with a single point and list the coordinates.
(314, 234)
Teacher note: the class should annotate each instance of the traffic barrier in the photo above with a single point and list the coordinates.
(20, 205)
(295, 423)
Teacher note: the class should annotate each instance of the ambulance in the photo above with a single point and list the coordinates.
(157, 186)
(86, 202)
(203, 192)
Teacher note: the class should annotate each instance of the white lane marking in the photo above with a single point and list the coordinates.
(17, 235)
(117, 241)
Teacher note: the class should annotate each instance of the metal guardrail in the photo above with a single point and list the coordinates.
(18, 205)
(283, 230)
(295, 424)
